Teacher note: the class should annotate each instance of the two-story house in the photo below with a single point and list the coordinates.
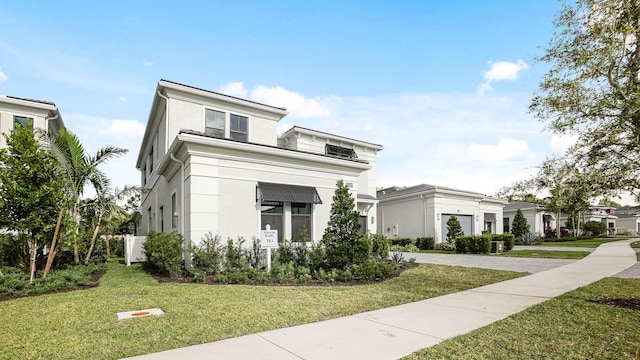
(16, 111)
(214, 163)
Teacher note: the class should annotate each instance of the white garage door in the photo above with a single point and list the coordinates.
(466, 222)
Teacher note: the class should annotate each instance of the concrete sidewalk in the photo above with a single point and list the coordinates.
(400, 330)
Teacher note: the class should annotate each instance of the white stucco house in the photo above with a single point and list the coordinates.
(423, 211)
(538, 219)
(16, 111)
(215, 163)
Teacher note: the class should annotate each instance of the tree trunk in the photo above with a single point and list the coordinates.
(32, 254)
(52, 249)
(558, 225)
(93, 240)
(106, 239)
(76, 257)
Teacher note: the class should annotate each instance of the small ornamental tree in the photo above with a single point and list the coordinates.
(453, 229)
(342, 242)
(31, 188)
(520, 225)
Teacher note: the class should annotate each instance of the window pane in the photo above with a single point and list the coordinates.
(298, 208)
(298, 224)
(21, 121)
(363, 225)
(238, 123)
(239, 136)
(214, 123)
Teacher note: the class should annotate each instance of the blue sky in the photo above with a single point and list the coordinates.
(443, 86)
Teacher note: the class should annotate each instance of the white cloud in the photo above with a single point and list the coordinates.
(125, 128)
(294, 102)
(147, 63)
(506, 150)
(122, 99)
(501, 70)
(3, 76)
(561, 143)
(234, 89)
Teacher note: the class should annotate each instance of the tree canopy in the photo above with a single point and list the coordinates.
(592, 90)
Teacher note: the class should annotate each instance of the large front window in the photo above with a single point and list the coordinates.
(272, 214)
(300, 219)
(214, 123)
(238, 127)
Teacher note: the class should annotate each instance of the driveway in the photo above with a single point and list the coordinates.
(529, 265)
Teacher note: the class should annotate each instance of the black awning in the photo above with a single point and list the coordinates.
(490, 217)
(270, 192)
(547, 218)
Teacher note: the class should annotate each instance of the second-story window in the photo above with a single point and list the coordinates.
(340, 151)
(239, 130)
(22, 121)
(214, 123)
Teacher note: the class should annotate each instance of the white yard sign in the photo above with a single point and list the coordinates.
(269, 239)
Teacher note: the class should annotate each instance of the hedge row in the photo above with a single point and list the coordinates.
(481, 244)
(422, 243)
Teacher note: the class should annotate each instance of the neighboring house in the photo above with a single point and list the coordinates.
(628, 224)
(538, 219)
(423, 211)
(16, 111)
(604, 214)
(214, 163)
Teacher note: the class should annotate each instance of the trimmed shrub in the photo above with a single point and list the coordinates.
(425, 243)
(508, 240)
(164, 252)
(454, 229)
(235, 257)
(594, 228)
(445, 246)
(480, 244)
(402, 241)
(462, 244)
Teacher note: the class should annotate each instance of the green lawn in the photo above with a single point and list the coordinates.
(566, 327)
(587, 243)
(546, 254)
(83, 324)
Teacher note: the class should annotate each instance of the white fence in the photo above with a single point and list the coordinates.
(133, 251)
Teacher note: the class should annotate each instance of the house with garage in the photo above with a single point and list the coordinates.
(538, 219)
(15, 111)
(215, 163)
(423, 211)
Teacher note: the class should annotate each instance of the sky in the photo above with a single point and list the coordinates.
(444, 86)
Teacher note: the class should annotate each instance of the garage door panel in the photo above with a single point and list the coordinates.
(466, 222)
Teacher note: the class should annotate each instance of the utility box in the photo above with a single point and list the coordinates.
(497, 247)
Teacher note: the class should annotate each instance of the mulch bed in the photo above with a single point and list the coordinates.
(210, 279)
(632, 303)
(93, 282)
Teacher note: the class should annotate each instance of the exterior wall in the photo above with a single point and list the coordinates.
(631, 225)
(403, 218)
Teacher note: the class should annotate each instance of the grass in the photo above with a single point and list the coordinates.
(587, 243)
(546, 254)
(566, 327)
(83, 324)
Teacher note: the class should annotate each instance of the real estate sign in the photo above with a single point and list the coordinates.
(269, 239)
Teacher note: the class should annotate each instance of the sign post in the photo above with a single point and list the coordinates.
(268, 240)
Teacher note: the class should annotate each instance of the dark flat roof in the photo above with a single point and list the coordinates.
(32, 100)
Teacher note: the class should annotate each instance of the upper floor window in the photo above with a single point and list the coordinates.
(340, 151)
(22, 121)
(239, 127)
(214, 123)
(151, 161)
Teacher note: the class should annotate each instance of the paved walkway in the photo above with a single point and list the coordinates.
(400, 330)
(551, 248)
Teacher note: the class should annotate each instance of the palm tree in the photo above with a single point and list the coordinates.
(79, 168)
(106, 205)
